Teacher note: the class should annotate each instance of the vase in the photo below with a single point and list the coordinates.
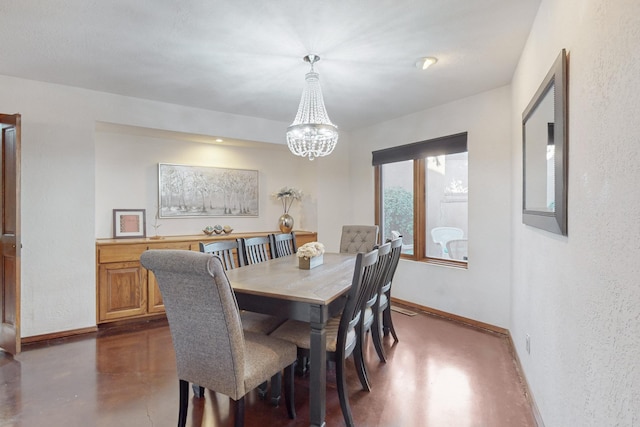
(309, 263)
(285, 222)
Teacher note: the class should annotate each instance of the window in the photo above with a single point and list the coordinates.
(422, 193)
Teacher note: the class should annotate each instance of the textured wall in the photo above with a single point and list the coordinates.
(578, 296)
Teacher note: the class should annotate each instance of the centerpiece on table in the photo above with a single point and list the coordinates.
(287, 195)
(310, 255)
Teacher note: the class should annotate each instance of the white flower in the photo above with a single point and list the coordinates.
(287, 195)
(310, 250)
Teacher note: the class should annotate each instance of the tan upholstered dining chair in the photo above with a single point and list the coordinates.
(358, 238)
(210, 345)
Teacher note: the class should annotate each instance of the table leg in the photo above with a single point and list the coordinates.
(318, 362)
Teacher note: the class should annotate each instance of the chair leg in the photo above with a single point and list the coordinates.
(341, 381)
(239, 413)
(184, 403)
(197, 390)
(276, 388)
(262, 390)
(302, 365)
(289, 391)
(358, 358)
(388, 323)
(376, 336)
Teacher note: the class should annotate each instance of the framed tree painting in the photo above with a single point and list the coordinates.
(201, 191)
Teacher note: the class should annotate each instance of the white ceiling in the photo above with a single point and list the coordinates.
(245, 56)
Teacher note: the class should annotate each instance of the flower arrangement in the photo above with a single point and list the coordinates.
(310, 250)
(287, 195)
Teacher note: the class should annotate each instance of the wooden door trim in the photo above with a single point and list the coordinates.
(14, 120)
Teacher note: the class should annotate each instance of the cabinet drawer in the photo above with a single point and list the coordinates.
(169, 245)
(120, 253)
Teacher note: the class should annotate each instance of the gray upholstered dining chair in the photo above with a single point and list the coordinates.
(228, 251)
(358, 238)
(283, 244)
(210, 345)
(341, 331)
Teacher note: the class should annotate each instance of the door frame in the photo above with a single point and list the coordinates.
(10, 336)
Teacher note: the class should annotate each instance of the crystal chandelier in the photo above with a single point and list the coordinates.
(312, 134)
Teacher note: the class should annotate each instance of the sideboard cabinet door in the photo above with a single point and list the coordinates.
(123, 290)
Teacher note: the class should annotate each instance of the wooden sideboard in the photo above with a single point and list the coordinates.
(126, 290)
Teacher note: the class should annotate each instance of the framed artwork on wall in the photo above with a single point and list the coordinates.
(201, 191)
(129, 223)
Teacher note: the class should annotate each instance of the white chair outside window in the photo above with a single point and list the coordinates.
(458, 249)
(441, 235)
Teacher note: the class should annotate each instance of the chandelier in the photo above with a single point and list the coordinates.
(312, 134)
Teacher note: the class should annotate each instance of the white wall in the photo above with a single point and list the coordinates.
(62, 213)
(127, 177)
(578, 296)
(481, 292)
(334, 193)
(57, 186)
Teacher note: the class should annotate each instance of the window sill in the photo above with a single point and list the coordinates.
(441, 262)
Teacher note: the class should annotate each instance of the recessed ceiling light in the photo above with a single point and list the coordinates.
(218, 140)
(424, 63)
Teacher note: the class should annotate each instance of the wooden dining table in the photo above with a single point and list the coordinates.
(279, 287)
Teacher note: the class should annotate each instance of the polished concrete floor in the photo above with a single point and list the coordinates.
(440, 374)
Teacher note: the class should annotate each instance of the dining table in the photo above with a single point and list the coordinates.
(280, 287)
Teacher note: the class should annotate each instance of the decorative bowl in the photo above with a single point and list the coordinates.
(227, 229)
(209, 230)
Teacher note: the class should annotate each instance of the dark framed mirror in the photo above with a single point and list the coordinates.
(545, 153)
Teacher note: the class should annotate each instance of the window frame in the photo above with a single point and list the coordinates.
(417, 152)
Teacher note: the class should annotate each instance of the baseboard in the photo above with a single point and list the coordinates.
(130, 324)
(133, 323)
(58, 335)
(532, 402)
(449, 316)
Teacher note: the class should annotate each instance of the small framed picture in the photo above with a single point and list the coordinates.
(129, 223)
